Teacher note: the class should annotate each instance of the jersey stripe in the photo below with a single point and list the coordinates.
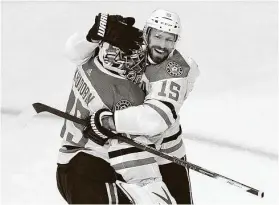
(171, 107)
(64, 149)
(134, 163)
(173, 137)
(161, 113)
(173, 148)
(125, 151)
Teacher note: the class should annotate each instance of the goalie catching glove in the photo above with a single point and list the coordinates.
(117, 31)
(98, 130)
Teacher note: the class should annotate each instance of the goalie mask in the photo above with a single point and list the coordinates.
(130, 66)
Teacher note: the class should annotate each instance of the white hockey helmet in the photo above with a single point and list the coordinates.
(128, 66)
(163, 20)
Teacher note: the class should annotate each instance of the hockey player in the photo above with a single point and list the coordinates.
(168, 80)
(84, 174)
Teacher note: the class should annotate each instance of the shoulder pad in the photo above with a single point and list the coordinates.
(173, 67)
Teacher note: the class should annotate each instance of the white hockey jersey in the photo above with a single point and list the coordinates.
(168, 85)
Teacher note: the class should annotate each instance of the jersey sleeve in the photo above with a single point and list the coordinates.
(78, 50)
(193, 74)
(169, 86)
(139, 120)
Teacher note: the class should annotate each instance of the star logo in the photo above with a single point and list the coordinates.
(122, 104)
(174, 69)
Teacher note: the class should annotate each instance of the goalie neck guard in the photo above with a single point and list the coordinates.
(129, 66)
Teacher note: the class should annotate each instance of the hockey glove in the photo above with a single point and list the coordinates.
(117, 31)
(97, 132)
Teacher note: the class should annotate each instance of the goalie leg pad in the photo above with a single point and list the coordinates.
(153, 193)
(136, 166)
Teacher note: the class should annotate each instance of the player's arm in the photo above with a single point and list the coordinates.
(158, 112)
(161, 106)
(78, 50)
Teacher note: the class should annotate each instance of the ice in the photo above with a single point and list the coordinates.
(230, 121)
(29, 166)
(258, 172)
(29, 162)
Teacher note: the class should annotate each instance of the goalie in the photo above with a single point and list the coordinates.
(84, 172)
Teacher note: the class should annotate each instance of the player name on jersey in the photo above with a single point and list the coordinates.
(82, 88)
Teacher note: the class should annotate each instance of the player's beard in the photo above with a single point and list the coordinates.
(156, 56)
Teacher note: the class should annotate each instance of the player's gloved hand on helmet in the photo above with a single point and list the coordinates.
(117, 31)
(99, 129)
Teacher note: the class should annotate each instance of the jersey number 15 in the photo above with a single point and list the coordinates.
(172, 92)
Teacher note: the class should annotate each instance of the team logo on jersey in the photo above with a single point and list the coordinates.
(174, 69)
(122, 104)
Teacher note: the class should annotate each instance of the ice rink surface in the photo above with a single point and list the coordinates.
(229, 121)
(29, 166)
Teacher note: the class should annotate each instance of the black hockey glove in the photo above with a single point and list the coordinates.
(97, 132)
(117, 31)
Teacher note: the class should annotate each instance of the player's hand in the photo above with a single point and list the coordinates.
(117, 31)
(108, 122)
(97, 131)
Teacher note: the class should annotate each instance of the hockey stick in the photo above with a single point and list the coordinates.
(39, 107)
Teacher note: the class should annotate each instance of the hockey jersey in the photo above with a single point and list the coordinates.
(94, 88)
(167, 85)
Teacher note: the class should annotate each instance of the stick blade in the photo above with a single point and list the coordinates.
(39, 107)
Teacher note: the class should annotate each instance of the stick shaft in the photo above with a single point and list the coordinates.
(192, 166)
(39, 107)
